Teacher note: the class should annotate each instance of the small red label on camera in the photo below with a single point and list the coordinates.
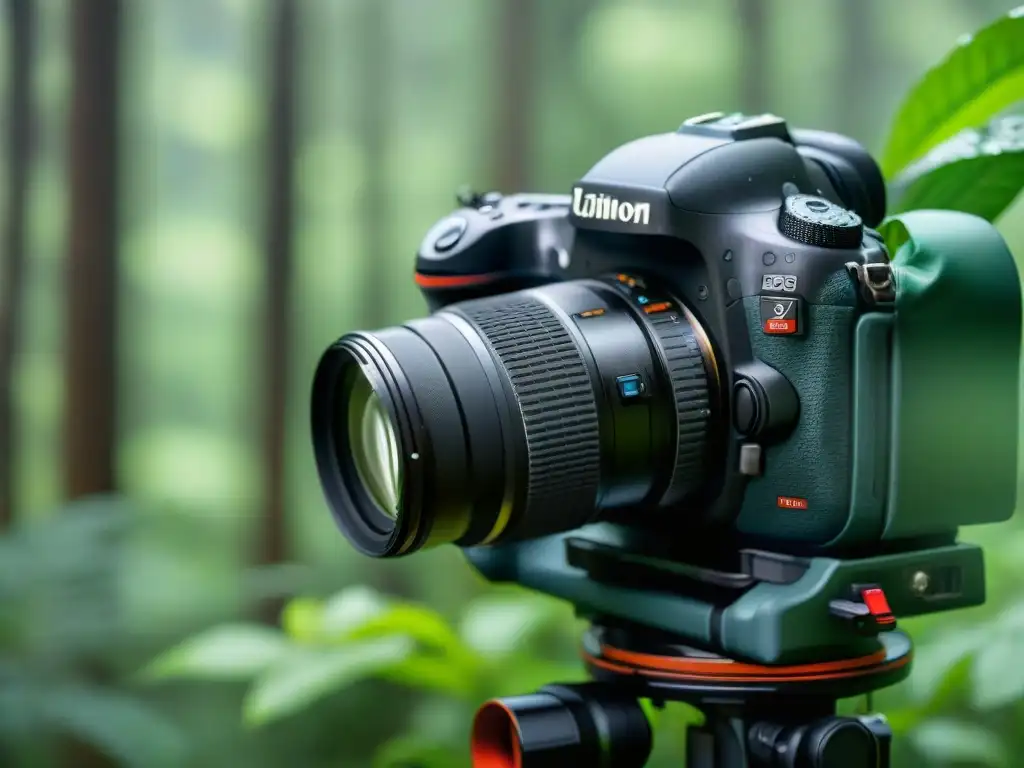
(791, 502)
(785, 325)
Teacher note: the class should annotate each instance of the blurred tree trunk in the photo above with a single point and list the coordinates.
(20, 44)
(517, 65)
(91, 285)
(279, 216)
(858, 67)
(374, 103)
(755, 57)
(90, 339)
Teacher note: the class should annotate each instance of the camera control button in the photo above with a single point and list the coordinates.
(780, 315)
(745, 410)
(751, 463)
(630, 387)
(816, 221)
(448, 233)
(866, 609)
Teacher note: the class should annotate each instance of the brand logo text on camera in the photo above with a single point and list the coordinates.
(607, 208)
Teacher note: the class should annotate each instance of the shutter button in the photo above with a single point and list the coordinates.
(449, 233)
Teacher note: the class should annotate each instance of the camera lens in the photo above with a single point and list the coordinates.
(374, 446)
(514, 417)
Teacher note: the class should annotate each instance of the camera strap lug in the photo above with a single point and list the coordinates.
(876, 282)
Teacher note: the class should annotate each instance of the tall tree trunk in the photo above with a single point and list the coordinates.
(20, 44)
(374, 103)
(90, 333)
(281, 108)
(858, 69)
(90, 339)
(517, 65)
(754, 55)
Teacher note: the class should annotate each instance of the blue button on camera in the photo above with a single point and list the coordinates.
(630, 386)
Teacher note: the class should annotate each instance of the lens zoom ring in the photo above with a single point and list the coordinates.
(692, 399)
(559, 412)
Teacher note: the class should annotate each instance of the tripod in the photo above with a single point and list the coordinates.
(755, 716)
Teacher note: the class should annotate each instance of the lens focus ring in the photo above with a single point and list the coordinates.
(559, 412)
(685, 362)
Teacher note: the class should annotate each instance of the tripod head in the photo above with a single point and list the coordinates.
(767, 680)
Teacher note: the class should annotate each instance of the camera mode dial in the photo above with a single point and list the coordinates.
(816, 221)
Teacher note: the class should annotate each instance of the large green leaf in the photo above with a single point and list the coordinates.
(427, 627)
(979, 171)
(309, 675)
(980, 78)
(229, 652)
(351, 608)
(434, 673)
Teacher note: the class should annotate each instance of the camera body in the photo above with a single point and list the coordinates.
(720, 218)
(836, 371)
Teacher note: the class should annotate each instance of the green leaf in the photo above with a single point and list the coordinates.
(945, 742)
(997, 674)
(351, 608)
(115, 724)
(311, 674)
(496, 626)
(425, 626)
(977, 171)
(229, 652)
(652, 713)
(522, 673)
(302, 619)
(894, 233)
(980, 78)
(902, 721)
(433, 673)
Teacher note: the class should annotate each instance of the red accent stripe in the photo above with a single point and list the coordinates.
(453, 281)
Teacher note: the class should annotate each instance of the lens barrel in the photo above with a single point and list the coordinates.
(512, 417)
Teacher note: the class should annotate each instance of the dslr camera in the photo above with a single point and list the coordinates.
(700, 396)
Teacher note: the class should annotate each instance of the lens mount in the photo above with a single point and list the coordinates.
(360, 362)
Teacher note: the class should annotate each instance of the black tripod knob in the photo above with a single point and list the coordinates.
(832, 742)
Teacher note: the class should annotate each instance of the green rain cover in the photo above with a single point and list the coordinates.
(956, 373)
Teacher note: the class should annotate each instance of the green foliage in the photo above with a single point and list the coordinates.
(503, 643)
(981, 77)
(979, 171)
(954, 742)
(358, 634)
(230, 652)
(947, 148)
(60, 634)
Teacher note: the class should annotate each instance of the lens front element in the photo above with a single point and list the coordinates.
(374, 446)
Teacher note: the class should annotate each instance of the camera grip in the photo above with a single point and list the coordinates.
(811, 468)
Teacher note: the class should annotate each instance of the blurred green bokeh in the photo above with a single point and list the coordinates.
(192, 277)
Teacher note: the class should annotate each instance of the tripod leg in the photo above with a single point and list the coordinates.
(720, 743)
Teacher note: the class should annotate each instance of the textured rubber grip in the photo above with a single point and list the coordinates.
(687, 372)
(558, 407)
